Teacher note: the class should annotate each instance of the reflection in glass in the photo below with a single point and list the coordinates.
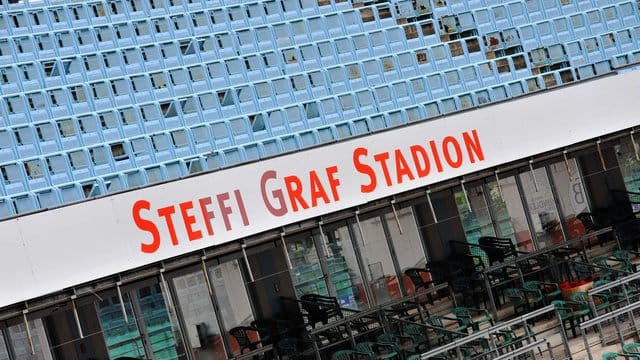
(199, 317)
(510, 218)
(163, 336)
(343, 269)
(377, 260)
(231, 296)
(407, 245)
(64, 337)
(4, 352)
(627, 155)
(571, 195)
(542, 207)
(20, 341)
(122, 338)
(474, 215)
(305, 266)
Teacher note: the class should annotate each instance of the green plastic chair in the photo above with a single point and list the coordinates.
(405, 343)
(418, 333)
(438, 322)
(601, 301)
(518, 299)
(609, 355)
(471, 317)
(379, 351)
(350, 355)
(632, 349)
(549, 290)
(566, 315)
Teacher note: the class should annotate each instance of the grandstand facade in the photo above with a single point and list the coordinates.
(187, 163)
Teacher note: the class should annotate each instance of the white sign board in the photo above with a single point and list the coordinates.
(60, 248)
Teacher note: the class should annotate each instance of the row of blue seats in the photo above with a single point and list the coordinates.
(552, 6)
(235, 14)
(267, 37)
(38, 106)
(133, 58)
(128, 154)
(216, 135)
(79, 190)
(344, 83)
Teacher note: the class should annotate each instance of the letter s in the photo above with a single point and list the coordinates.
(364, 169)
(146, 225)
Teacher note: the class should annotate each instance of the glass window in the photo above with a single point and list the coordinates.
(22, 345)
(406, 240)
(474, 214)
(379, 267)
(545, 219)
(306, 271)
(4, 352)
(232, 298)
(508, 212)
(628, 154)
(343, 268)
(201, 325)
(571, 194)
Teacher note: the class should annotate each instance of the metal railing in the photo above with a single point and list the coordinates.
(616, 316)
(621, 282)
(486, 333)
(487, 273)
(379, 312)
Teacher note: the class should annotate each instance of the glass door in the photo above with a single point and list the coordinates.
(342, 264)
(544, 216)
(474, 213)
(148, 331)
(32, 344)
(201, 325)
(508, 212)
(571, 195)
(376, 255)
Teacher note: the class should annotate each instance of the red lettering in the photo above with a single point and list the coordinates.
(420, 160)
(294, 189)
(364, 169)
(241, 207)
(281, 208)
(224, 209)
(146, 225)
(317, 190)
(436, 156)
(333, 182)
(382, 160)
(166, 213)
(402, 168)
(189, 220)
(473, 146)
(450, 140)
(206, 214)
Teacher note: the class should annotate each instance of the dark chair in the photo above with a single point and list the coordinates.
(497, 249)
(572, 313)
(379, 351)
(405, 343)
(320, 309)
(628, 233)
(241, 334)
(549, 290)
(417, 275)
(472, 317)
(350, 355)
